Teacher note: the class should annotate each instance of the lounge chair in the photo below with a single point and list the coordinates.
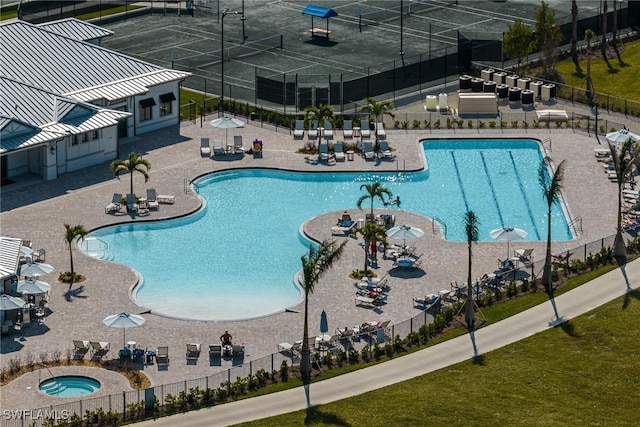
(237, 144)
(380, 133)
(524, 254)
(80, 348)
(328, 130)
(100, 346)
(323, 151)
(298, 131)
(218, 149)
(193, 351)
(162, 355)
(367, 150)
(343, 229)
(205, 147)
(257, 148)
(384, 149)
(312, 133)
(215, 350)
(152, 199)
(427, 302)
(112, 207)
(132, 203)
(365, 131)
(347, 129)
(338, 152)
(38, 255)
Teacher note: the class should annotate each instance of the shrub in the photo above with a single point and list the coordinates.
(481, 124)
(377, 351)
(492, 124)
(470, 124)
(437, 124)
(354, 357)
(388, 349)
(416, 124)
(514, 124)
(365, 352)
(284, 371)
(449, 123)
(427, 124)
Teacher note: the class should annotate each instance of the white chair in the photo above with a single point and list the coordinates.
(237, 144)
(312, 133)
(365, 131)
(328, 130)
(205, 147)
(347, 129)
(218, 149)
(380, 130)
(338, 152)
(384, 149)
(152, 199)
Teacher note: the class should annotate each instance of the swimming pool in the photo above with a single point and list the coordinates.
(236, 259)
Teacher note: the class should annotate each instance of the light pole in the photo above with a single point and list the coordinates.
(221, 106)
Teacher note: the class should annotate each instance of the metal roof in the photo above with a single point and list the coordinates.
(76, 29)
(65, 65)
(9, 255)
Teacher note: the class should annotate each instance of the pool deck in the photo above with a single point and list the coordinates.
(37, 210)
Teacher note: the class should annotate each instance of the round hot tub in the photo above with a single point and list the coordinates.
(69, 386)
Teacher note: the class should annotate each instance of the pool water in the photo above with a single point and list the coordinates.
(237, 258)
(69, 386)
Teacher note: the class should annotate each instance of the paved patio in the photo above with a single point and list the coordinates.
(37, 210)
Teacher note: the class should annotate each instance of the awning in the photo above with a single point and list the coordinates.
(167, 97)
(322, 12)
(147, 102)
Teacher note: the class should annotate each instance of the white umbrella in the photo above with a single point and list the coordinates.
(35, 269)
(405, 232)
(621, 136)
(32, 286)
(508, 233)
(226, 123)
(7, 302)
(124, 321)
(25, 251)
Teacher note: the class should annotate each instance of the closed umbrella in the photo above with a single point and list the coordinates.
(405, 232)
(226, 123)
(508, 233)
(35, 269)
(32, 287)
(324, 325)
(7, 302)
(621, 136)
(124, 321)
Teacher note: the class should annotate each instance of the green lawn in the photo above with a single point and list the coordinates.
(621, 80)
(586, 372)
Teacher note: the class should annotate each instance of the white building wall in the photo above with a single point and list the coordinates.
(157, 121)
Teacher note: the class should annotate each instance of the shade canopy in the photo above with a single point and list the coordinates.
(123, 321)
(319, 11)
(35, 269)
(405, 232)
(621, 136)
(227, 123)
(508, 233)
(32, 287)
(7, 302)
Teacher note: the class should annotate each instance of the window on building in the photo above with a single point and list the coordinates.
(95, 134)
(85, 137)
(166, 102)
(145, 109)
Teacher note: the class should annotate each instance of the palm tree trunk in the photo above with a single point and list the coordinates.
(619, 248)
(305, 361)
(131, 187)
(469, 314)
(71, 259)
(547, 280)
(614, 30)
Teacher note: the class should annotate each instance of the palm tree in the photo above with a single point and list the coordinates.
(622, 160)
(372, 233)
(314, 265)
(374, 190)
(471, 228)
(574, 34)
(551, 193)
(320, 114)
(75, 232)
(133, 164)
(588, 37)
(377, 109)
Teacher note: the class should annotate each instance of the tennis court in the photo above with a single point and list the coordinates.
(366, 36)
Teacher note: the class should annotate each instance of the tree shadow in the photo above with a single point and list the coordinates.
(631, 293)
(74, 293)
(316, 416)
(478, 359)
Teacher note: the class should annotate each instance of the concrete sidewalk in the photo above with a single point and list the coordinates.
(537, 319)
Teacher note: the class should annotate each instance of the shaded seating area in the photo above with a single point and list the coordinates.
(320, 12)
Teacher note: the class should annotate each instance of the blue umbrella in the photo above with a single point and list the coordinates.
(324, 325)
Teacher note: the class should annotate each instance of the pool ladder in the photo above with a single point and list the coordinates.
(52, 376)
(188, 184)
(576, 225)
(438, 226)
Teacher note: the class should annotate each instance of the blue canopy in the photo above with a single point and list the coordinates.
(322, 12)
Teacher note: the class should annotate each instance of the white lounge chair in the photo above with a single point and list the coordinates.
(347, 129)
(338, 152)
(100, 348)
(384, 149)
(328, 130)
(298, 131)
(152, 199)
(112, 207)
(237, 144)
(218, 149)
(323, 151)
(524, 254)
(80, 347)
(312, 133)
(367, 150)
(380, 133)
(365, 131)
(205, 147)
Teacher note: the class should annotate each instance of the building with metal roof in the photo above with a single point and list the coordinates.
(66, 101)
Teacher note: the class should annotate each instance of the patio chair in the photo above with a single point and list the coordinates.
(298, 131)
(338, 152)
(112, 207)
(347, 129)
(80, 348)
(215, 350)
(132, 203)
(367, 150)
(218, 149)
(100, 347)
(312, 133)
(152, 199)
(384, 149)
(524, 255)
(365, 131)
(205, 147)
(193, 351)
(39, 255)
(237, 144)
(380, 133)
(162, 355)
(328, 130)
(257, 148)
(323, 151)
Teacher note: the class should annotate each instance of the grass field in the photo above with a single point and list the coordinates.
(586, 372)
(620, 80)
